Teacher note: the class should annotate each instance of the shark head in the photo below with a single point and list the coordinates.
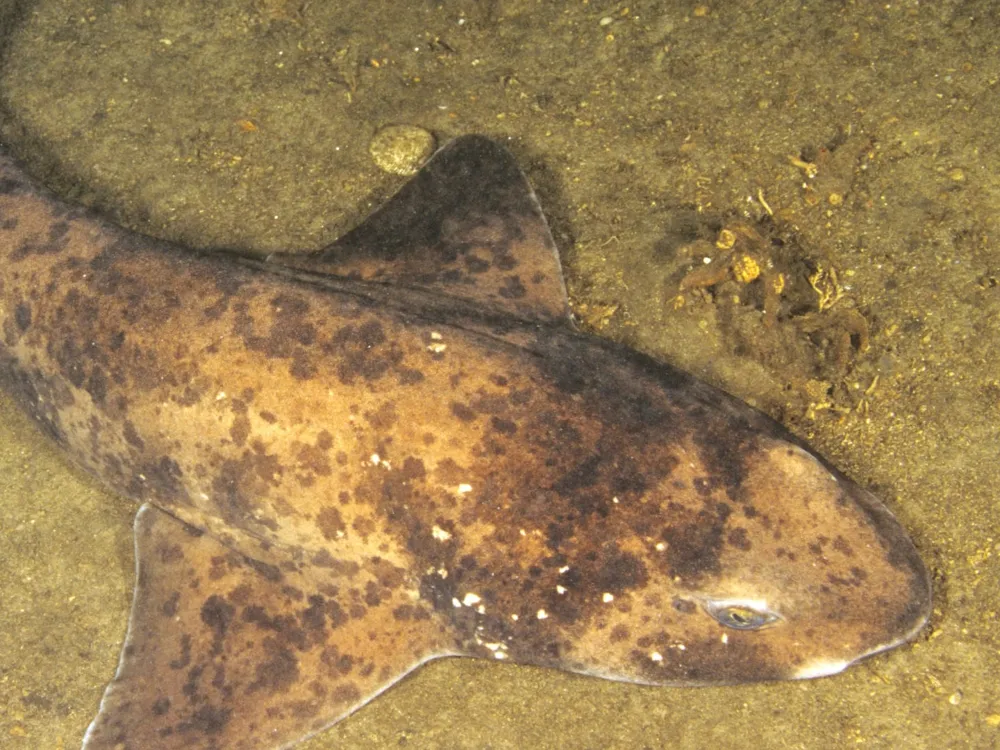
(807, 575)
(687, 540)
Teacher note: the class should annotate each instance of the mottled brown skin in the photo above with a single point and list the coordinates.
(345, 476)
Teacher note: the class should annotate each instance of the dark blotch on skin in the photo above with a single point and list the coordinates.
(97, 386)
(161, 479)
(503, 426)
(694, 545)
(240, 430)
(840, 544)
(340, 665)
(314, 617)
(463, 412)
(290, 330)
(270, 572)
(171, 554)
(409, 376)
(738, 538)
(580, 477)
(619, 633)
(347, 693)
(330, 522)
(279, 672)
(620, 572)
(209, 719)
(217, 614)
(505, 261)
(301, 367)
(238, 484)
(315, 459)
(724, 455)
(132, 436)
(22, 316)
(58, 231)
(384, 418)
(182, 661)
(170, 605)
(513, 288)
(475, 264)
(413, 468)
(362, 352)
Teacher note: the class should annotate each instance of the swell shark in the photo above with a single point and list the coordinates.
(401, 449)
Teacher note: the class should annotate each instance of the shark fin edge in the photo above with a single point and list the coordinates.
(220, 655)
(467, 225)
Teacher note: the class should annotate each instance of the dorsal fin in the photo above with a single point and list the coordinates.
(467, 225)
(225, 652)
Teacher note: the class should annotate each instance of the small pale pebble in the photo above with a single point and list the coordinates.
(402, 149)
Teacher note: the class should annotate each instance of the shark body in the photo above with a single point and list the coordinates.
(401, 449)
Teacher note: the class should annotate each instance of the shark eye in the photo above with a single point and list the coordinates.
(741, 615)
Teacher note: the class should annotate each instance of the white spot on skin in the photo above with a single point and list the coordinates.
(471, 599)
(656, 656)
(464, 489)
(514, 617)
(203, 496)
(607, 598)
(563, 569)
(660, 546)
(435, 336)
(724, 638)
(440, 534)
(436, 348)
(456, 603)
(542, 614)
(375, 459)
(499, 649)
(560, 589)
(220, 395)
(614, 500)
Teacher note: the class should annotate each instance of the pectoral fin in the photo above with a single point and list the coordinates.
(223, 653)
